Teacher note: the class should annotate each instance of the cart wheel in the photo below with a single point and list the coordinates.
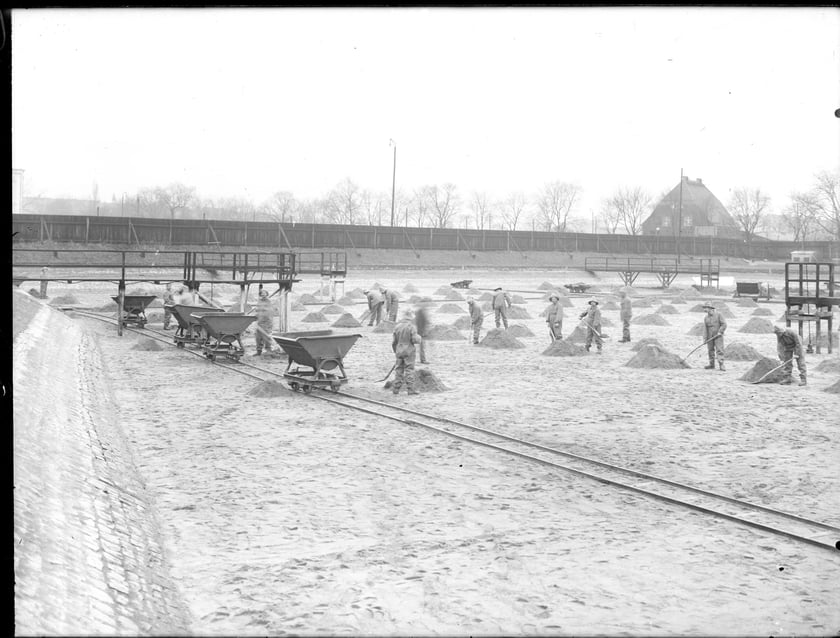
(294, 386)
(211, 356)
(335, 386)
(307, 389)
(180, 344)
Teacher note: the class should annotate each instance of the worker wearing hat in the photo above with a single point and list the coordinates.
(625, 315)
(168, 302)
(554, 317)
(715, 326)
(789, 347)
(476, 319)
(501, 302)
(592, 319)
(403, 342)
(265, 322)
(375, 302)
(392, 302)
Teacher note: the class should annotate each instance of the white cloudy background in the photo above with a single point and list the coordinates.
(246, 102)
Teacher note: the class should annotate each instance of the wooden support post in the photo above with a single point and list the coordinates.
(87, 228)
(121, 304)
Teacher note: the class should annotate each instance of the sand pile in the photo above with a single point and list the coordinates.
(689, 293)
(147, 345)
(518, 330)
(444, 333)
(653, 356)
(443, 290)
(726, 312)
(546, 286)
(315, 317)
(154, 317)
(297, 306)
(66, 300)
(308, 299)
(610, 305)
(678, 300)
(762, 312)
(424, 381)
(410, 288)
(746, 302)
(757, 326)
(643, 303)
(333, 309)
(497, 338)
(829, 365)
(564, 348)
(651, 320)
(697, 330)
(578, 334)
(356, 293)
(647, 341)
(485, 297)
(346, 321)
(157, 302)
(697, 308)
(462, 323)
(762, 367)
(486, 307)
(515, 312)
(741, 352)
(346, 300)
(566, 303)
(268, 389)
(141, 290)
(453, 295)
(451, 308)
(668, 309)
(822, 341)
(518, 299)
(386, 325)
(631, 292)
(833, 388)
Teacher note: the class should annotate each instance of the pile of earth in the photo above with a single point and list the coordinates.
(741, 352)
(697, 330)
(386, 325)
(419, 299)
(643, 303)
(141, 290)
(444, 333)
(564, 348)
(346, 321)
(514, 312)
(333, 309)
(297, 306)
(610, 305)
(453, 295)
(497, 338)
(762, 367)
(424, 381)
(451, 308)
(268, 389)
(631, 292)
(833, 388)
(647, 341)
(690, 293)
(314, 317)
(518, 330)
(651, 320)
(147, 345)
(822, 342)
(65, 300)
(462, 323)
(485, 297)
(546, 286)
(154, 317)
(746, 303)
(443, 290)
(409, 287)
(157, 302)
(678, 300)
(668, 309)
(757, 326)
(579, 334)
(762, 312)
(829, 365)
(357, 293)
(697, 308)
(518, 299)
(726, 312)
(653, 356)
(346, 300)
(308, 299)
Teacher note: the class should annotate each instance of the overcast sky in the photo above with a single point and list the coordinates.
(247, 102)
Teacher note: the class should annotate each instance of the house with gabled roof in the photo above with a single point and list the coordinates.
(701, 213)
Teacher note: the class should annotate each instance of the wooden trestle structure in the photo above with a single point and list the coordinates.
(666, 270)
(810, 295)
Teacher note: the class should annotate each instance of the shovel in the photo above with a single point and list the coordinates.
(389, 373)
(698, 347)
(588, 325)
(773, 370)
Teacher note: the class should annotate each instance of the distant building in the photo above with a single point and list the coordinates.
(17, 191)
(702, 214)
(58, 206)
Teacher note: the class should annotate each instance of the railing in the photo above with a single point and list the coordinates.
(657, 265)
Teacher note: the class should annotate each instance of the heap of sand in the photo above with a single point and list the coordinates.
(66, 300)
(645, 342)
(443, 290)
(518, 299)
(346, 321)
(726, 312)
(518, 330)
(514, 312)
(357, 293)
(689, 293)
(762, 367)
(546, 286)
(831, 365)
(762, 312)
(651, 320)
(451, 308)
(462, 323)
(308, 299)
(610, 305)
(698, 308)
(453, 295)
(386, 325)
(141, 290)
(409, 287)
(486, 296)
(333, 309)
(643, 303)
(746, 302)
(346, 300)
(631, 292)
(500, 339)
(668, 309)
(315, 317)
(297, 306)
(757, 326)
(697, 330)
(678, 300)
(444, 333)
(564, 348)
(268, 389)
(834, 388)
(147, 344)
(424, 381)
(741, 352)
(653, 356)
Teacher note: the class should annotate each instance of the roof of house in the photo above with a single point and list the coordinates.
(696, 195)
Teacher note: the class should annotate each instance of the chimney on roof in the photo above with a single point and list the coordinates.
(699, 181)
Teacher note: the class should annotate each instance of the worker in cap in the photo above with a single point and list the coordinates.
(403, 344)
(714, 326)
(501, 303)
(625, 314)
(423, 325)
(476, 319)
(265, 322)
(392, 303)
(592, 320)
(789, 347)
(375, 302)
(554, 317)
(168, 302)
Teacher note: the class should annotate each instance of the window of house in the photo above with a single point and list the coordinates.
(666, 222)
(687, 221)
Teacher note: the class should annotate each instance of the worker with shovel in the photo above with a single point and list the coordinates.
(554, 317)
(476, 319)
(265, 322)
(715, 326)
(789, 347)
(375, 302)
(403, 342)
(592, 319)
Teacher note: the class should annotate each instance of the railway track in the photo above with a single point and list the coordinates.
(779, 523)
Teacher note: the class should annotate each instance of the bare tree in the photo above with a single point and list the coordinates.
(748, 206)
(482, 210)
(238, 208)
(512, 208)
(555, 201)
(280, 207)
(823, 203)
(175, 197)
(343, 203)
(374, 206)
(627, 206)
(799, 216)
(445, 204)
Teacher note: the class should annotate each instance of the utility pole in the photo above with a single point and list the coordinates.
(393, 181)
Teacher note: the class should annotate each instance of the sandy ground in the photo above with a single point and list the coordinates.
(287, 515)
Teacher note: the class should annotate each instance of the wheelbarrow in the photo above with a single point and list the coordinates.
(578, 287)
(224, 331)
(317, 357)
(464, 283)
(189, 329)
(134, 309)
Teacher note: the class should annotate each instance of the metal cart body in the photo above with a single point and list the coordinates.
(189, 329)
(134, 309)
(224, 330)
(317, 357)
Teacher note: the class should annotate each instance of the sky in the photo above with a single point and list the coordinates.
(243, 103)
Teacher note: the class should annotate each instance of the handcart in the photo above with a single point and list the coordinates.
(578, 287)
(189, 329)
(320, 352)
(134, 309)
(223, 330)
(464, 283)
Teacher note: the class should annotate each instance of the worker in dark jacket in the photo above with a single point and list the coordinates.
(476, 319)
(789, 347)
(554, 317)
(715, 326)
(375, 302)
(392, 303)
(592, 319)
(423, 324)
(625, 314)
(501, 302)
(403, 342)
(265, 322)
(168, 302)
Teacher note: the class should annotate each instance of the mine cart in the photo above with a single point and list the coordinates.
(189, 329)
(752, 289)
(224, 331)
(134, 309)
(317, 356)
(578, 287)
(465, 283)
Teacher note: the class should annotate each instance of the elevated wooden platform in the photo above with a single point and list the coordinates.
(666, 270)
(810, 297)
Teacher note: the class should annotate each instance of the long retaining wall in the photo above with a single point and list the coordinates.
(269, 235)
